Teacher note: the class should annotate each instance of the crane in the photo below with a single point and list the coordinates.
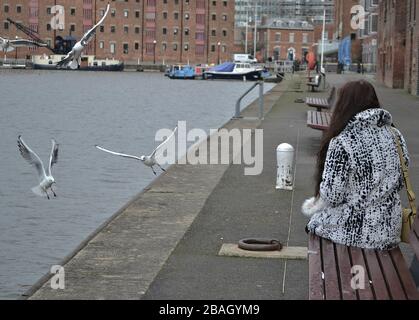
(32, 34)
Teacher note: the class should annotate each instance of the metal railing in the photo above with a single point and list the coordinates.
(261, 100)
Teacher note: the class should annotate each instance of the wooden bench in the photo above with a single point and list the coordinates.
(322, 103)
(315, 83)
(387, 274)
(318, 120)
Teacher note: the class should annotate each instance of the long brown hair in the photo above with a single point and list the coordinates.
(353, 98)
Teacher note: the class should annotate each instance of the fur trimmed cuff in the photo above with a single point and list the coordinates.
(312, 206)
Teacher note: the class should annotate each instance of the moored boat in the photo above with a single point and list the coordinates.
(88, 63)
(234, 70)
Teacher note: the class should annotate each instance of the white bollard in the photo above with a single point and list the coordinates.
(285, 168)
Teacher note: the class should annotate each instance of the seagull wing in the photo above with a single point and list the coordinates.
(164, 142)
(31, 157)
(53, 158)
(26, 43)
(90, 34)
(67, 59)
(117, 153)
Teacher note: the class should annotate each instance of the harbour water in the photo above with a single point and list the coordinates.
(121, 111)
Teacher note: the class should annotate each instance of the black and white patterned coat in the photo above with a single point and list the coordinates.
(359, 202)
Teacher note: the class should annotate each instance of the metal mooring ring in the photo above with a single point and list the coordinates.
(260, 245)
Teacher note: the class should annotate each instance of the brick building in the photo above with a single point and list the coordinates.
(392, 42)
(285, 39)
(412, 48)
(199, 31)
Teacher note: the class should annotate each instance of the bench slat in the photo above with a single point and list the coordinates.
(404, 274)
(378, 282)
(358, 260)
(414, 242)
(330, 272)
(390, 273)
(345, 275)
(316, 283)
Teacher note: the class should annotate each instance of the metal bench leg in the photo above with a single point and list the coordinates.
(414, 269)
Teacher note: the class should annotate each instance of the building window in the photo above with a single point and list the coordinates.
(101, 28)
(224, 33)
(125, 47)
(186, 16)
(6, 8)
(113, 29)
(224, 17)
(48, 10)
(292, 37)
(165, 15)
(305, 37)
(73, 11)
(200, 49)
(213, 33)
(101, 44)
(72, 27)
(113, 48)
(6, 25)
(136, 46)
(48, 27)
(224, 49)
(137, 30)
(214, 17)
(126, 12)
(176, 15)
(213, 48)
(113, 13)
(164, 30)
(174, 47)
(186, 32)
(18, 9)
(186, 47)
(277, 37)
(176, 1)
(225, 3)
(126, 29)
(163, 47)
(214, 3)
(175, 31)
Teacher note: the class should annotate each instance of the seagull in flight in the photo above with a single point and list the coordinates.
(7, 45)
(46, 180)
(73, 58)
(149, 161)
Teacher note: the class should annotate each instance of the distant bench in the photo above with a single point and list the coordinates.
(318, 120)
(322, 103)
(314, 82)
(387, 275)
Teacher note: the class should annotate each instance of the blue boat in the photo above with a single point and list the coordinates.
(181, 72)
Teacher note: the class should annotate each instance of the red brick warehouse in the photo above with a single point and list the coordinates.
(200, 31)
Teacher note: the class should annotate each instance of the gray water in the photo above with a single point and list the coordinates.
(121, 111)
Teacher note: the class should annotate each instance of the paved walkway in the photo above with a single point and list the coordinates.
(155, 250)
(243, 206)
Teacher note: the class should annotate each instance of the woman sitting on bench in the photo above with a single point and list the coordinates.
(359, 176)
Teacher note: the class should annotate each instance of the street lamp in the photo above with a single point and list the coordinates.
(219, 45)
(154, 51)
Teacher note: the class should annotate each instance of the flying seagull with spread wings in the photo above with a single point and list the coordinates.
(149, 161)
(46, 180)
(7, 45)
(73, 58)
